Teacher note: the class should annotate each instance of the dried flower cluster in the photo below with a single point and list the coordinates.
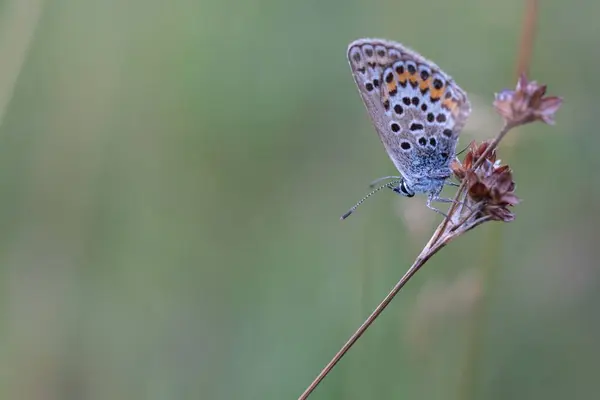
(489, 187)
(527, 103)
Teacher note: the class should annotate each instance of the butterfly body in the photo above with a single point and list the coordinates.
(417, 110)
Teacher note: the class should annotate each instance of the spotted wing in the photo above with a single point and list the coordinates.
(417, 109)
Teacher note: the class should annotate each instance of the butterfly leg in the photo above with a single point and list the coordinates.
(449, 183)
(441, 200)
(445, 200)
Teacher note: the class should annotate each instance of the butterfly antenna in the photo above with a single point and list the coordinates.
(463, 150)
(350, 211)
(376, 181)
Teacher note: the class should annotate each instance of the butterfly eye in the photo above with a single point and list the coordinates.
(405, 190)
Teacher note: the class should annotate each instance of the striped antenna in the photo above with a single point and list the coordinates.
(387, 185)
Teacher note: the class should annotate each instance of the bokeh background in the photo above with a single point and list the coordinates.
(172, 174)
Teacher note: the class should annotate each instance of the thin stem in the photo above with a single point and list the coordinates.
(507, 127)
(365, 325)
(473, 224)
(472, 212)
(527, 36)
(443, 226)
(428, 251)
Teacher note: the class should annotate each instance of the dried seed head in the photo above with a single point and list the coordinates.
(526, 103)
(490, 186)
(474, 152)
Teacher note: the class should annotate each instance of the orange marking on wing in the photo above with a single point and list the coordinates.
(451, 104)
(424, 84)
(435, 93)
(391, 86)
(414, 78)
(403, 76)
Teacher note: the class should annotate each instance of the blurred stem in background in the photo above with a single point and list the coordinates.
(18, 22)
(490, 257)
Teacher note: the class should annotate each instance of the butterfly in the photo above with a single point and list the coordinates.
(418, 112)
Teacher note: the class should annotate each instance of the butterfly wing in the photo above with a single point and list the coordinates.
(417, 109)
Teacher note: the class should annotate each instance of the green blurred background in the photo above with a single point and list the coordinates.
(172, 174)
